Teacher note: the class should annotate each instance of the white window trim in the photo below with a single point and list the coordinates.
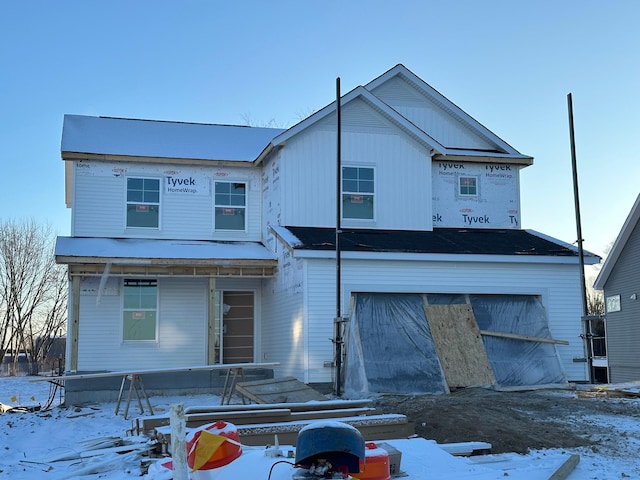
(468, 195)
(369, 221)
(156, 310)
(126, 201)
(245, 182)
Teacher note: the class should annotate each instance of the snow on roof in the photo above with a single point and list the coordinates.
(169, 249)
(162, 139)
(286, 236)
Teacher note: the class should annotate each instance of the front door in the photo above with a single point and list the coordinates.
(234, 326)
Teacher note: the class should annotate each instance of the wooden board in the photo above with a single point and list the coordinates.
(527, 338)
(459, 345)
(294, 407)
(375, 427)
(279, 390)
(219, 366)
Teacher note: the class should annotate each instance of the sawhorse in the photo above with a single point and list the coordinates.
(228, 389)
(135, 383)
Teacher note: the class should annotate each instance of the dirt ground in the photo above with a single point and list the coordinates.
(516, 421)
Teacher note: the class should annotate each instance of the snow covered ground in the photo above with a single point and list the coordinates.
(55, 444)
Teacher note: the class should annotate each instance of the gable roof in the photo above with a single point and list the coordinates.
(618, 246)
(373, 101)
(440, 241)
(87, 137)
(500, 151)
(96, 137)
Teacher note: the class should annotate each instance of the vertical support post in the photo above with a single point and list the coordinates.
(586, 325)
(211, 319)
(338, 320)
(75, 323)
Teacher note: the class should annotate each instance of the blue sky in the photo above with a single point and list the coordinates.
(509, 64)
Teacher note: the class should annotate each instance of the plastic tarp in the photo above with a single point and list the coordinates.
(517, 362)
(390, 348)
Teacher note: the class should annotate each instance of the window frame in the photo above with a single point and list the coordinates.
(613, 303)
(358, 191)
(143, 202)
(230, 205)
(139, 308)
(476, 187)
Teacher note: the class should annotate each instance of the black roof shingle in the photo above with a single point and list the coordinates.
(440, 241)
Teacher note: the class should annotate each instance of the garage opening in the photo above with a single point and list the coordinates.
(435, 343)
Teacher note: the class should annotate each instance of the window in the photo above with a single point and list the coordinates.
(143, 202)
(612, 303)
(139, 309)
(357, 192)
(468, 186)
(230, 206)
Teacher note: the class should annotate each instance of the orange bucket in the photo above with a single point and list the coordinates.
(225, 454)
(376, 465)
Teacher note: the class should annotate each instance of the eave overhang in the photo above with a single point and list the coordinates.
(171, 258)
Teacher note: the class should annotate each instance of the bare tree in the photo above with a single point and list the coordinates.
(595, 302)
(33, 293)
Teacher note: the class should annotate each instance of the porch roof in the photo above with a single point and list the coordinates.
(127, 256)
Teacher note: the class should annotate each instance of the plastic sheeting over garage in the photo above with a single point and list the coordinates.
(434, 343)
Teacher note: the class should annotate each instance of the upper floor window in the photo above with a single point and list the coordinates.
(468, 186)
(143, 202)
(139, 311)
(230, 206)
(357, 192)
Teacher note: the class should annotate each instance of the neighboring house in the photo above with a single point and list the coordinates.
(619, 278)
(195, 244)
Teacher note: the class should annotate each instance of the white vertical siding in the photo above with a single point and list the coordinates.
(557, 285)
(402, 173)
(182, 329)
(284, 333)
(321, 314)
(429, 116)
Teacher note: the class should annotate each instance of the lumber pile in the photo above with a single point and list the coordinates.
(283, 407)
(258, 424)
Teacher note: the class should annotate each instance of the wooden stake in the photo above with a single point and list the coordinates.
(178, 442)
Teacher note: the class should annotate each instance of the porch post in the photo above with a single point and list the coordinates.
(211, 318)
(74, 323)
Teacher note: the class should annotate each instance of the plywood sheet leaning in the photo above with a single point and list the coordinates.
(277, 390)
(459, 345)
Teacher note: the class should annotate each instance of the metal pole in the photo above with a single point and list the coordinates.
(586, 325)
(338, 319)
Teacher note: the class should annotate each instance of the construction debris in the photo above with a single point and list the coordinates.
(18, 408)
(611, 391)
(285, 422)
